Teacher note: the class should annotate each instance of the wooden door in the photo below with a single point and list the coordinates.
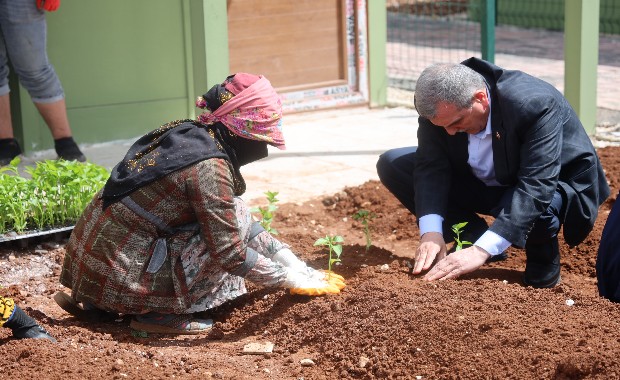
(308, 49)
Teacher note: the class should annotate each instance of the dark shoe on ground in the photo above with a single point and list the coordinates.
(171, 324)
(542, 268)
(24, 326)
(67, 149)
(9, 149)
(86, 313)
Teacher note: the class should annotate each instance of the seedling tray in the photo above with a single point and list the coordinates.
(24, 239)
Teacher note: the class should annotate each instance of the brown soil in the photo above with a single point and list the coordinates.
(385, 324)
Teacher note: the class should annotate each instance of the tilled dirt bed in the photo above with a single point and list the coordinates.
(385, 324)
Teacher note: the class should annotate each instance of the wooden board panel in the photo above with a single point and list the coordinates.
(293, 43)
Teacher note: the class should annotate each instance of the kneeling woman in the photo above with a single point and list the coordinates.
(168, 236)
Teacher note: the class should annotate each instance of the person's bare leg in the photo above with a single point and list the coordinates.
(6, 124)
(55, 116)
(9, 148)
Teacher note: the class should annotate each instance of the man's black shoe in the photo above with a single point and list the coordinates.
(25, 327)
(542, 268)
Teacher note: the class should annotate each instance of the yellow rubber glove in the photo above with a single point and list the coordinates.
(319, 291)
(334, 279)
(331, 274)
(302, 279)
(306, 284)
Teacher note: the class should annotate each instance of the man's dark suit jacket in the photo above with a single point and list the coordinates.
(539, 144)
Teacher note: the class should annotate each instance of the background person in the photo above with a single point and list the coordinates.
(608, 258)
(168, 236)
(502, 143)
(23, 39)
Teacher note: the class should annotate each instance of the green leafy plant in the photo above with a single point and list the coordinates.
(55, 194)
(365, 217)
(458, 229)
(335, 248)
(267, 212)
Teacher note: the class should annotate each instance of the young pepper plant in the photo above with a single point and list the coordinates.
(267, 212)
(365, 217)
(335, 248)
(458, 229)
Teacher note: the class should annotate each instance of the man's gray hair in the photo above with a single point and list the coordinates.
(446, 82)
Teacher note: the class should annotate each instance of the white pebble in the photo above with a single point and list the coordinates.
(362, 362)
(570, 302)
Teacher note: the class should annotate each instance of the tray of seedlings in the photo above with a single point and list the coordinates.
(45, 200)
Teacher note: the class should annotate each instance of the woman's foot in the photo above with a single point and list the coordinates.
(170, 324)
(83, 311)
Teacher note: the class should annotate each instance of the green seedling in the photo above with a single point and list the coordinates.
(335, 248)
(458, 229)
(365, 217)
(54, 194)
(267, 212)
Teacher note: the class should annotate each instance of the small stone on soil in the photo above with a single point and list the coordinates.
(256, 348)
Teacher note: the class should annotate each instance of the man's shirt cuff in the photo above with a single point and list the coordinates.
(492, 243)
(431, 223)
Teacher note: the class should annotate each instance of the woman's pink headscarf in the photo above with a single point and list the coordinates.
(253, 113)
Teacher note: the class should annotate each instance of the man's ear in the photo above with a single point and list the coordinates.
(481, 96)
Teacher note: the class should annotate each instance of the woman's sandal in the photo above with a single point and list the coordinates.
(178, 324)
(71, 306)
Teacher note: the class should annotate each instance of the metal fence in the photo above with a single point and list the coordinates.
(529, 36)
(425, 32)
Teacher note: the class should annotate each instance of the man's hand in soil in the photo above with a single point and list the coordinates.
(458, 263)
(431, 247)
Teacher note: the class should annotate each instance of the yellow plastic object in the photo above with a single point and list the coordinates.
(330, 289)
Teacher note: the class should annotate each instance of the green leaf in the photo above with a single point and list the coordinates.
(459, 226)
(337, 249)
(321, 241)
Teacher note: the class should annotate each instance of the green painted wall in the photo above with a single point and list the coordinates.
(128, 66)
